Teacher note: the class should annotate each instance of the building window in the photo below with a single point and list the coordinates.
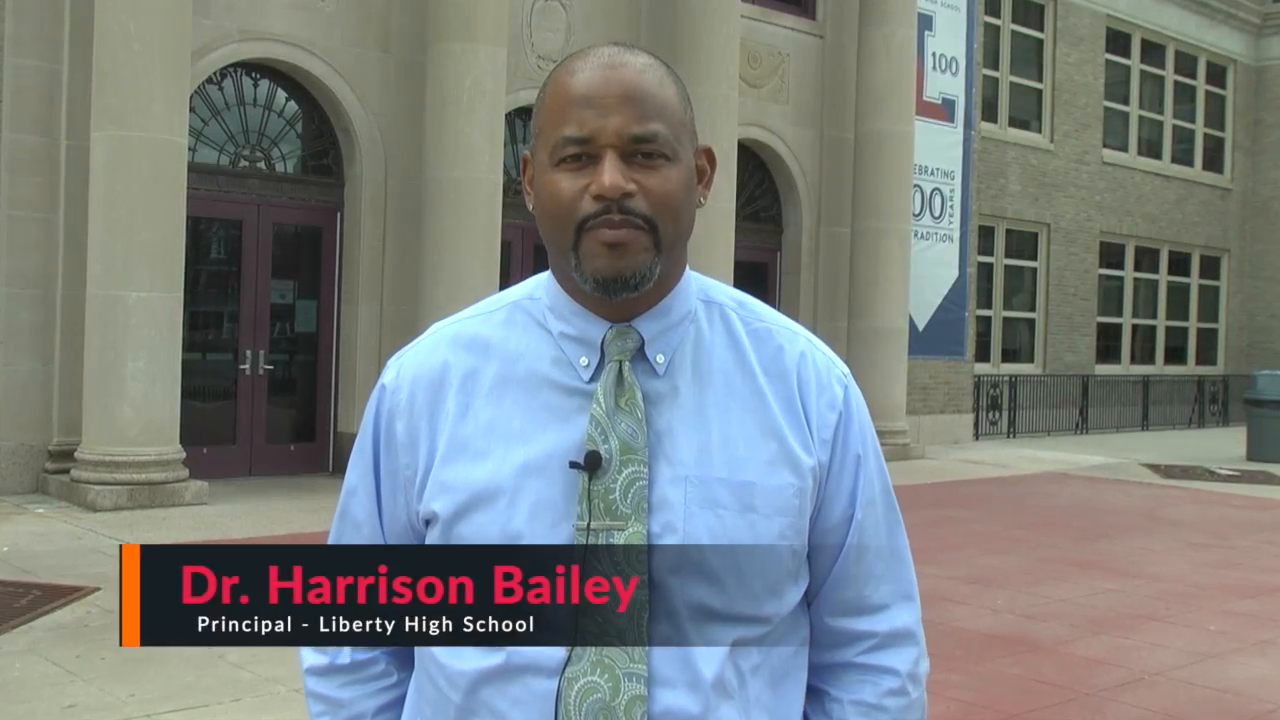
(758, 228)
(1010, 303)
(254, 118)
(1159, 308)
(807, 9)
(1016, 57)
(1165, 103)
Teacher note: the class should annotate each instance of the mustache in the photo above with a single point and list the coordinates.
(619, 209)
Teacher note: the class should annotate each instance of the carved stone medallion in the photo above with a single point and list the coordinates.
(764, 72)
(548, 33)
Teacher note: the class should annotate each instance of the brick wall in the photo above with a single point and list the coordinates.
(1068, 187)
(937, 387)
(1261, 258)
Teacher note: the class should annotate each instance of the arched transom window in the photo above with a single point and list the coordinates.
(255, 118)
(517, 134)
(758, 231)
(759, 202)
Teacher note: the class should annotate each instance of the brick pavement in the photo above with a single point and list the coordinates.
(1047, 596)
(1060, 597)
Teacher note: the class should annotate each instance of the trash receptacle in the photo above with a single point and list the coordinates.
(1262, 417)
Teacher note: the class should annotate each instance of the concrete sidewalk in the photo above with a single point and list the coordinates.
(68, 664)
(1112, 455)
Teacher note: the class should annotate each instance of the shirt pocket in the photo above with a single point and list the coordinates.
(740, 573)
(733, 511)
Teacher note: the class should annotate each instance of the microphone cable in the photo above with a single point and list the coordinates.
(591, 463)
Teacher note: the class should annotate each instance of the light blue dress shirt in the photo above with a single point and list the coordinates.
(757, 435)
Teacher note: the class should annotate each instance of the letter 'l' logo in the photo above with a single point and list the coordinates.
(942, 110)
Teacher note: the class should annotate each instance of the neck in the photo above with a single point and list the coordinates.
(622, 311)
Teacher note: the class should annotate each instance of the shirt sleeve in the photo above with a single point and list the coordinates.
(867, 657)
(374, 507)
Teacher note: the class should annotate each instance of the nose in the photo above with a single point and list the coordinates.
(612, 179)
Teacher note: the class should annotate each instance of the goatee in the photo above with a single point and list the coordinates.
(623, 286)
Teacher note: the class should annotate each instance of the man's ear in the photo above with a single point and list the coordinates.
(526, 178)
(704, 164)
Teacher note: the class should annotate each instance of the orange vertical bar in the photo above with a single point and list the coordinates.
(130, 596)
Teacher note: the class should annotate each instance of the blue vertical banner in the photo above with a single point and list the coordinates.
(942, 191)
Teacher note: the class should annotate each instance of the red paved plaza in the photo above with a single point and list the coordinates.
(1058, 597)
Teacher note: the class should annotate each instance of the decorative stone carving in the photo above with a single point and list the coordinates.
(764, 72)
(548, 33)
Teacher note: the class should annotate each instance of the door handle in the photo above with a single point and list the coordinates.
(248, 362)
(262, 362)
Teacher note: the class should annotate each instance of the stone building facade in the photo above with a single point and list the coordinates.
(1126, 190)
(335, 167)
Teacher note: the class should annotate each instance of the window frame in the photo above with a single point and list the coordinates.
(1167, 119)
(1161, 323)
(997, 311)
(808, 9)
(1003, 76)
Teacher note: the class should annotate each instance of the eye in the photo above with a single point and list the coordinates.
(572, 158)
(650, 156)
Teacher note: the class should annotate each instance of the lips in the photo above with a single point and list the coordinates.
(617, 222)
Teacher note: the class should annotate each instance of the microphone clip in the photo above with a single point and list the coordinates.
(591, 462)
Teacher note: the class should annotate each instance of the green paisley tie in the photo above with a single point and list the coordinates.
(612, 683)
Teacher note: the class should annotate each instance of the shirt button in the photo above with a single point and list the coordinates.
(661, 358)
(583, 361)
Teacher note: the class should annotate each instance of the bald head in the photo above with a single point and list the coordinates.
(618, 178)
(619, 55)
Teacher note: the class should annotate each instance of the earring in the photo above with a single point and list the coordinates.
(702, 201)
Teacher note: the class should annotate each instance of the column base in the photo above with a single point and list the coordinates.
(126, 480)
(62, 456)
(895, 443)
(124, 497)
(894, 453)
(129, 467)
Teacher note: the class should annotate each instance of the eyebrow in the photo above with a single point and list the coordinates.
(647, 137)
(571, 141)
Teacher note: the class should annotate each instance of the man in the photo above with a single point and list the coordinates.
(717, 420)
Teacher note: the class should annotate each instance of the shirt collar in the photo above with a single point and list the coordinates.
(580, 333)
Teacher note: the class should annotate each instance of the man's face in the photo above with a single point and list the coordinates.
(614, 178)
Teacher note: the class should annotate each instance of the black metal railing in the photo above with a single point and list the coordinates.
(1013, 405)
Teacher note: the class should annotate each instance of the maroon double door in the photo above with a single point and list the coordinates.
(258, 337)
(523, 254)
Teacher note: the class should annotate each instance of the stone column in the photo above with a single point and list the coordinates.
(880, 262)
(835, 214)
(69, 393)
(465, 102)
(129, 453)
(701, 39)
